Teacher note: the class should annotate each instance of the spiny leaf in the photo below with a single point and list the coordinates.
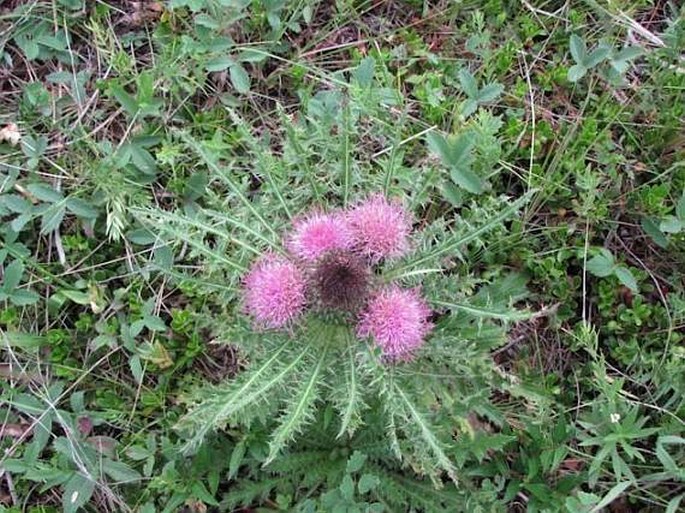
(210, 162)
(299, 412)
(241, 394)
(499, 313)
(351, 413)
(428, 436)
(452, 243)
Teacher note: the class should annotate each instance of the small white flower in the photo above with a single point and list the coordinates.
(10, 134)
(614, 418)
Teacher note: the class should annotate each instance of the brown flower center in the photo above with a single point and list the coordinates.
(341, 281)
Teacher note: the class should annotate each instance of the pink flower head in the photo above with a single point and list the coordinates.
(274, 291)
(397, 320)
(316, 234)
(380, 228)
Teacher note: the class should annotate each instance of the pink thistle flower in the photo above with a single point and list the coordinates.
(316, 234)
(397, 320)
(274, 291)
(380, 228)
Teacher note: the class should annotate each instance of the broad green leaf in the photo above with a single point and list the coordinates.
(252, 55)
(78, 297)
(128, 102)
(219, 63)
(24, 340)
(576, 72)
(490, 92)
(367, 483)
(24, 297)
(19, 222)
(597, 56)
(15, 203)
(355, 462)
(240, 79)
(347, 489)
(77, 492)
(12, 275)
(34, 147)
(578, 49)
(628, 53)
(453, 194)
(45, 193)
(671, 224)
(119, 471)
(468, 107)
(453, 150)
(196, 185)
(143, 160)
(52, 218)
(466, 179)
(141, 236)
(625, 276)
(81, 208)
(652, 229)
(154, 323)
(363, 74)
(200, 492)
(455, 153)
(601, 264)
(468, 83)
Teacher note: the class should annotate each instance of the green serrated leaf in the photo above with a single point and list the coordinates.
(15, 203)
(299, 412)
(671, 224)
(625, 276)
(128, 102)
(576, 72)
(490, 93)
(45, 193)
(468, 83)
(627, 54)
(19, 222)
(119, 471)
(466, 179)
(597, 56)
(52, 218)
(236, 460)
(77, 492)
(143, 159)
(578, 49)
(239, 78)
(468, 107)
(12, 275)
(252, 55)
(652, 229)
(602, 264)
(355, 462)
(219, 63)
(23, 297)
(367, 482)
(363, 74)
(81, 208)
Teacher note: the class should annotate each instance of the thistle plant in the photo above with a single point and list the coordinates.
(341, 294)
(332, 267)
